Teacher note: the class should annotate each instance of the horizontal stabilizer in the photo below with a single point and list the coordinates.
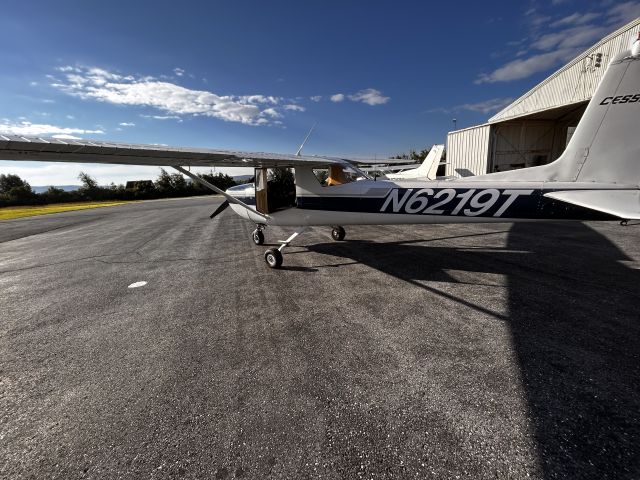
(621, 203)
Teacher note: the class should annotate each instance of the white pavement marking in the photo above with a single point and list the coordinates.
(137, 284)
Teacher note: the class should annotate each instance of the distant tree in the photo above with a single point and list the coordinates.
(21, 195)
(220, 180)
(179, 184)
(413, 155)
(15, 191)
(9, 181)
(163, 183)
(55, 195)
(90, 188)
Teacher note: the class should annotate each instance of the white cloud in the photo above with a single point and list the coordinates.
(98, 84)
(316, 98)
(485, 107)
(178, 71)
(553, 43)
(294, 108)
(65, 136)
(523, 68)
(127, 124)
(624, 12)
(370, 96)
(570, 38)
(272, 112)
(338, 97)
(162, 117)
(260, 99)
(575, 19)
(38, 129)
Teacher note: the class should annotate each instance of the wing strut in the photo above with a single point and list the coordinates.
(230, 198)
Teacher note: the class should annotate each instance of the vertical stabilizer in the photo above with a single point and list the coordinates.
(607, 140)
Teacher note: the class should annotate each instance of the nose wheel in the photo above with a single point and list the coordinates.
(273, 256)
(338, 233)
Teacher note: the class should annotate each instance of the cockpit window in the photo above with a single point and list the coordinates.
(336, 175)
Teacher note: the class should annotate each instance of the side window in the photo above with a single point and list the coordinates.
(335, 175)
(322, 174)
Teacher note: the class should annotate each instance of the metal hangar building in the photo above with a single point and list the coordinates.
(535, 128)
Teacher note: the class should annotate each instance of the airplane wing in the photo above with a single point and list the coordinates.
(389, 168)
(14, 147)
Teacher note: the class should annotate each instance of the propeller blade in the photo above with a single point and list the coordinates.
(220, 209)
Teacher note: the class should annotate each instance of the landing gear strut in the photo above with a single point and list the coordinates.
(338, 233)
(257, 236)
(273, 256)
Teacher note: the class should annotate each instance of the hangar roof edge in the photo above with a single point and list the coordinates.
(503, 115)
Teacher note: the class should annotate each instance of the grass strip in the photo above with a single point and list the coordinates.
(9, 213)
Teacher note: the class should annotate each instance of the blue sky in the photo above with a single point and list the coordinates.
(378, 77)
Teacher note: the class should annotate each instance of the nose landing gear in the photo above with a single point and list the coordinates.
(273, 256)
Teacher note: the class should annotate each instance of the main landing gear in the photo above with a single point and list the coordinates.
(273, 256)
(338, 233)
(257, 236)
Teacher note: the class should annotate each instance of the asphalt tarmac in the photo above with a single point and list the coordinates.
(461, 351)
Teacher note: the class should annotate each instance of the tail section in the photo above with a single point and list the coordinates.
(605, 147)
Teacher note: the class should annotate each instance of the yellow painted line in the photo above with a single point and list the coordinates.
(9, 213)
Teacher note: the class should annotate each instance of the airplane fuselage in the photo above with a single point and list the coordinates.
(409, 202)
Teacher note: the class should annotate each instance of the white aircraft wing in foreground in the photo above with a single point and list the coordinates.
(596, 178)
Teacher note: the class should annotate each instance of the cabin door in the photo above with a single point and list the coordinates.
(262, 204)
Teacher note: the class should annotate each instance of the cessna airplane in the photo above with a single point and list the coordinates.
(596, 178)
(427, 169)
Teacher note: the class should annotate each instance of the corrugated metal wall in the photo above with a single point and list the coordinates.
(521, 144)
(573, 83)
(468, 149)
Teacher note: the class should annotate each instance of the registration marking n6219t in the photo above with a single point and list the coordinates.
(468, 202)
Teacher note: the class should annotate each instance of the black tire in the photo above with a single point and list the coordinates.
(258, 237)
(338, 234)
(273, 257)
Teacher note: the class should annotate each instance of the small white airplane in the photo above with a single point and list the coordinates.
(596, 178)
(427, 169)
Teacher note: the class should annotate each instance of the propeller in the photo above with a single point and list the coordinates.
(223, 206)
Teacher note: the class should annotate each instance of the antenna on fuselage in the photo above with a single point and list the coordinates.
(305, 140)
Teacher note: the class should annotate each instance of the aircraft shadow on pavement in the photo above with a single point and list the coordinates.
(573, 315)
